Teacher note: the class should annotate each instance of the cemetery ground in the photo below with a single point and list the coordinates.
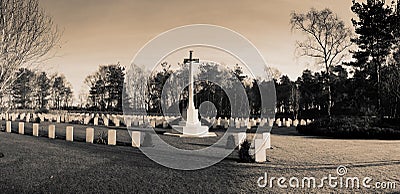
(39, 164)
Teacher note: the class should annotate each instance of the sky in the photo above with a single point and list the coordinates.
(100, 32)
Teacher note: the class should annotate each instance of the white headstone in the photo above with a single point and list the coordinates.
(215, 124)
(35, 128)
(89, 135)
(86, 120)
(267, 139)
(295, 123)
(278, 123)
(260, 152)
(241, 136)
(52, 131)
(112, 137)
(249, 125)
(21, 127)
(22, 116)
(105, 119)
(69, 133)
(136, 122)
(116, 121)
(262, 123)
(226, 123)
(253, 122)
(165, 124)
(96, 121)
(136, 139)
(303, 122)
(232, 122)
(242, 122)
(237, 124)
(128, 121)
(8, 126)
(153, 123)
(287, 123)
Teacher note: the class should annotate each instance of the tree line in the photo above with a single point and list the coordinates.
(165, 91)
(367, 84)
(39, 91)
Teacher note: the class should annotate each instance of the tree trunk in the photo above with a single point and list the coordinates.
(378, 74)
(329, 99)
(329, 90)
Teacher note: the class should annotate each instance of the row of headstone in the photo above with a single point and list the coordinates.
(69, 133)
(250, 123)
(152, 121)
(112, 137)
(261, 144)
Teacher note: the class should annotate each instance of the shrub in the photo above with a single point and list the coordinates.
(102, 138)
(244, 155)
(42, 110)
(351, 128)
(37, 120)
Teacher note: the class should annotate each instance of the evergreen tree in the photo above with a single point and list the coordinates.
(375, 40)
(22, 88)
(43, 90)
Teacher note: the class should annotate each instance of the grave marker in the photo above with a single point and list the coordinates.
(35, 128)
(260, 152)
(21, 127)
(52, 132)
(136, 139)
(112, 137)
(89, 135)
(69, 133)
(8, 126)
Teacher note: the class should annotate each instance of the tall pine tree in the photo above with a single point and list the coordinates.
(375, 40)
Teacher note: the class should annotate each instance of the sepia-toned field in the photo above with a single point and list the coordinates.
(41, 165)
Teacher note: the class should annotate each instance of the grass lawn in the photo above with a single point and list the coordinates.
(38, 164)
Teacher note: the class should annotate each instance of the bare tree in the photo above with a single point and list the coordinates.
(327, 39)
(136, 88)
(273, 72)
(27, 34)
